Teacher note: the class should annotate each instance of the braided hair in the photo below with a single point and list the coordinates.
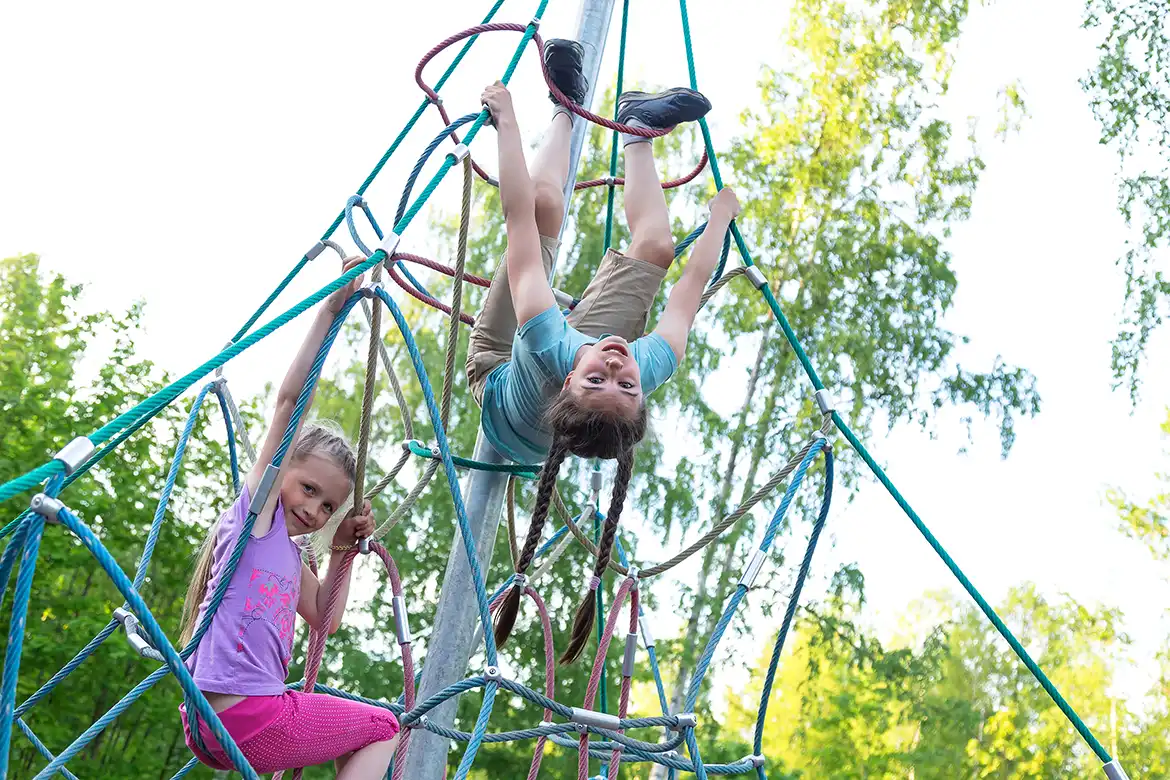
(587, 433)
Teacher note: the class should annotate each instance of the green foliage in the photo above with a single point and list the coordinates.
(1148, 522)
(951, 701)
(1129, 92)
(61, 370)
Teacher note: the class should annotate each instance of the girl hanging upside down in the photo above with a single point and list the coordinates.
(551, 385)
(241, 663)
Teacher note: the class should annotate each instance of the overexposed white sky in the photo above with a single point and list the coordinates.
(189, 156)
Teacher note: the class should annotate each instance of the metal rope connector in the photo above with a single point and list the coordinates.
(595, 480)
(563, 299)
(401, 625)
(364, 545)
(755, 276)
(140, 644)
(420, 723)
(46, 506)
(756, 760)
(610, 181)
(75, 453)
(535, 23)
(598, 720)
(370, 290)
(644, 629)
(631, 655)
(493, 674)
(686, 720)
(437, 100)
(264, 488)
(753, 569)
(316, 251)
(825, 402)
(460, 152)
(1114, 771)
(390, 243)
(520, 581)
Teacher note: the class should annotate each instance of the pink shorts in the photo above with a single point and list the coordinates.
(293, 730)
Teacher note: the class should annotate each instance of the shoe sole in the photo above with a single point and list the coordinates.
(671, 107)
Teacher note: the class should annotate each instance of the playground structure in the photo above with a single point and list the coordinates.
(425, 708)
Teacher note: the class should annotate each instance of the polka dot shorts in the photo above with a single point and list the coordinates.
(303, 729)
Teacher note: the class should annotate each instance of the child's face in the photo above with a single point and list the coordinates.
(607, 377)
(312, 490)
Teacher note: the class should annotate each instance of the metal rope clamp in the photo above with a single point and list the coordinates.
(459, 153)
(75, 453)
(686, 720)
(140, 643)
(47, 507)
(370, 290)
(493, 674)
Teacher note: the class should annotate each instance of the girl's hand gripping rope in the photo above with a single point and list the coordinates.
(355, 526)
(334, 303)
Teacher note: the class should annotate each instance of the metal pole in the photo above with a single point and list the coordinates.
(456, 619)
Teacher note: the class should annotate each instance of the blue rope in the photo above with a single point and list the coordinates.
(30, 547)
(426, 155)
(360, 202)
(693, 236)
(233, 456)
(793, 601)
(41, 748)
(741, 590)
(155, 633)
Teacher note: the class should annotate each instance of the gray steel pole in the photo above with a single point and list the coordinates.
(456, 619)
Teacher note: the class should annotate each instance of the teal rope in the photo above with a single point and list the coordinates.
(790, 335)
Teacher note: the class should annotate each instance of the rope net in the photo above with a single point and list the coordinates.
(593, 733)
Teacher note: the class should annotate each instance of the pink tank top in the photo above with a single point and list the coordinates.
(247, 648)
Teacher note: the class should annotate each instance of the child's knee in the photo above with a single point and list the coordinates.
(658, 250)
(550, 207)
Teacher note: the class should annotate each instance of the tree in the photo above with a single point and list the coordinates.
(1129, 92)
(60, 370)
(1148, 522)
(952, 700)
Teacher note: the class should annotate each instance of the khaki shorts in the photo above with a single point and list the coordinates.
(617, 302)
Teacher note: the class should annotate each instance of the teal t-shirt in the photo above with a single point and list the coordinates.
(517, 392)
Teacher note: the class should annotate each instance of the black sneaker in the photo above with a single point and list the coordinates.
(664, 109)
(564, 61)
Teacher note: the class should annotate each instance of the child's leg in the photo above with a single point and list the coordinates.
(495, 326)
(550, 172)
(369, 763)
(649, 221)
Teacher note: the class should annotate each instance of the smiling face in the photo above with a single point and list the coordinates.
(607, 377)
(312, 490)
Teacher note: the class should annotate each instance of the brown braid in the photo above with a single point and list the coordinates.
(587, 612)
(587, 433)
(510, 607)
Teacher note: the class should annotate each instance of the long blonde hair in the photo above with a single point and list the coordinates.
(324, 439)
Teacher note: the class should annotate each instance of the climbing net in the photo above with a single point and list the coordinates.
(595, 733)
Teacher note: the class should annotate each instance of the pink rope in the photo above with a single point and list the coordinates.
(428, 300)
(598, 664)
(318, 637)
(478, 281)
(556, 93)
(615, 759)
(666, 185)
(550, 668)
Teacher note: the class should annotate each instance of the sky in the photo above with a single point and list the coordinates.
(189, 158)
